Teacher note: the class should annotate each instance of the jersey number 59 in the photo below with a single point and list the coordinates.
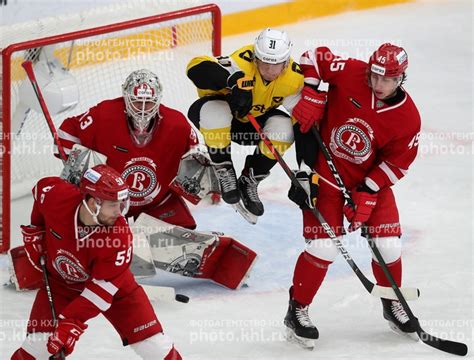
(124, 256)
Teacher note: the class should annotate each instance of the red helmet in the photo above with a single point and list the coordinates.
(389, 60)
(103, 182)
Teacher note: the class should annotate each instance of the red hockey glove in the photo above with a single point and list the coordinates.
(365, 201)
(65, 335)
(34, 243)
(310, 109)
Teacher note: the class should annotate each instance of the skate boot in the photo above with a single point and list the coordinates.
(248, 183)
(228, 182)
(299, 328)
(398, 319)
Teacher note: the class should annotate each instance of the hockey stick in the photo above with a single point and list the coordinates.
(448, 346)
(50, 301)
(375, 290)
(28, 66)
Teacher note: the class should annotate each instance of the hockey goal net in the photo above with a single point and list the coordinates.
(93, 61)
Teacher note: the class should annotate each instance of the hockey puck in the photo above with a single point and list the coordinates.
(182, 298)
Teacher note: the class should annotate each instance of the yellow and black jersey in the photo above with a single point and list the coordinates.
(210, 76)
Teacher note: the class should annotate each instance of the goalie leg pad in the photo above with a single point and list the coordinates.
(174, 211)
(22, 272)
(197, 254)
(228, 264)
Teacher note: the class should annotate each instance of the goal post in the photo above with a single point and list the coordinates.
(79, 69)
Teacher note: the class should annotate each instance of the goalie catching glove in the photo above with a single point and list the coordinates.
(306, 194)
(196, 177)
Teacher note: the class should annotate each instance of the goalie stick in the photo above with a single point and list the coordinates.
(448, 346)
(373, 289)
(28, 66)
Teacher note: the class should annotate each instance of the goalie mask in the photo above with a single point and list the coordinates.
(142, 92)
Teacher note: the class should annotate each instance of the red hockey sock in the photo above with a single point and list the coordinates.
(308, 277)
(395, 269)
(21, 354)
(173, 355)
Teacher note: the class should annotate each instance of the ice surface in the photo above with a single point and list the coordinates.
(435, 202)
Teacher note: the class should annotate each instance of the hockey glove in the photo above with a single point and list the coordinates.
(310, 109)
(305, 195)
(365, 200)
(199, 153)
(240, 96)
(65, 335)
(34, 243)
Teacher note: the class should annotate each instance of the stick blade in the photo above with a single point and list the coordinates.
(448, 346)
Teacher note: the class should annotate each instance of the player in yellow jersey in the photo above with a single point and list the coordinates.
(255, 79)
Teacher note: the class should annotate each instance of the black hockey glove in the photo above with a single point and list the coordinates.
(240, 96)
(305, 195)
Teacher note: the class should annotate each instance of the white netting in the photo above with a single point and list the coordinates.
(98, 16)
(100, 63)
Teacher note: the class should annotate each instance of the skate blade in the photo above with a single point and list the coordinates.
(307, 344)
(247, 215)
(412, 336)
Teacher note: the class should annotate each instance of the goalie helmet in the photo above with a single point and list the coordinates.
(142, 92)
(273, 46)
(389, 60)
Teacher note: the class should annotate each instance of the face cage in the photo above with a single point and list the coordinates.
(141, 117)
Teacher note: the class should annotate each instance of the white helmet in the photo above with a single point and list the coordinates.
(272, 46)
(141, 88)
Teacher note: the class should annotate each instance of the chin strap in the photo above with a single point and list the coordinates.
(94, 215)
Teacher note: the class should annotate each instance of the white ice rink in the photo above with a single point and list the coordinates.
(435, 202)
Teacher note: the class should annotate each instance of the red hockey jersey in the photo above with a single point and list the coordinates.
(367, 138)
(92, 260)
(147, 170)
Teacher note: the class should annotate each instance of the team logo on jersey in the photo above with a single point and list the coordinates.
(69, 267)
(352, 141)
(140, 175)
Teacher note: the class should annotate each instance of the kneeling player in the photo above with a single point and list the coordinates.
(87, 245)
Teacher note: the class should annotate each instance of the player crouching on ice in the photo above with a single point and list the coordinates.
(371, 127)
(87, 274)
(158, 154)
(255, 79)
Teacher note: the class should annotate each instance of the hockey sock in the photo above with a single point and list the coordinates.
(219, 155)
(308, 277)
(260, 164)
(395, 269)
